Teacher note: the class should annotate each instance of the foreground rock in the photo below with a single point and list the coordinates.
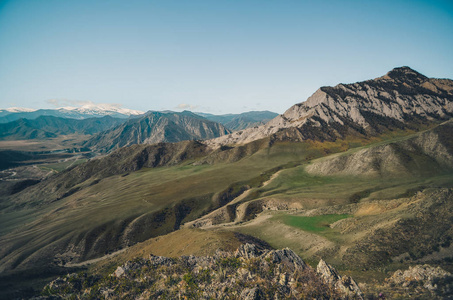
(345, 284)
(249, 273)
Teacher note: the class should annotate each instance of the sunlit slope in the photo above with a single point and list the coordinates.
(393, 202)
(78, 215)
(369, 235)
(387, 169)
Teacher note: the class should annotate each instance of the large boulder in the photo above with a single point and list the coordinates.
(247, 251)
(288, 258)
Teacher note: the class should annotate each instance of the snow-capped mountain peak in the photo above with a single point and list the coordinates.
(102, 109)
(86, 110)
(18, 109)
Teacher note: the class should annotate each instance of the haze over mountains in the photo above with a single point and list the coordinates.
(337, 177)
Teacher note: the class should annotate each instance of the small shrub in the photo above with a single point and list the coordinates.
(230, 263)
(190, 280)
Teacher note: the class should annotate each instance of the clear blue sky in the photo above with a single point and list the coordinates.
(215, 56)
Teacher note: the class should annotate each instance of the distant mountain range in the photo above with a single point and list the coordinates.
(233, 122)
(155, 127)
(241, 121)
(402, 99)
(84, 112)
(49, 127)
(152, 127)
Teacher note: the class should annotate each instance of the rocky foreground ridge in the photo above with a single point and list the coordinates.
(403, 98)
(249, 273)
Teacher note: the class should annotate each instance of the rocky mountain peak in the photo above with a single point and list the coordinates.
(405, 74)
(403, 98)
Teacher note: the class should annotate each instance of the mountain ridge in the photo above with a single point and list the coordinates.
(156, 127)
(241, 121)
(364, 108)
(84, 112)
(45, 127)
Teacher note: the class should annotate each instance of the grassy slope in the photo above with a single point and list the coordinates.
(36, 232)
(46, 153)
(379, 237)
(104, 210)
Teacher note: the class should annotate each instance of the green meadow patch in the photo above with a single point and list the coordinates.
(315, 224)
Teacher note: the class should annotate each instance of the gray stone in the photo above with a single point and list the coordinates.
(345, 284)
(286, 257)
(247, 251)
(251, 294)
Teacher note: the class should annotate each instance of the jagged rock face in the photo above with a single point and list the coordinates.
(287, 258)
(345, 284)
(402, 98)
(155, 127)
(249, 273)
(247, 251)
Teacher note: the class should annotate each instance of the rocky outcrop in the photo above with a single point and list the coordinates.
(345, 284)
(249, 273)
(251, 294)
(403, 98)
(426, 276)
(247, 251)
(287, 258)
